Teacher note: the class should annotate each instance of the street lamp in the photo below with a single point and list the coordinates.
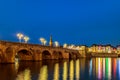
(42, 40)
(56, 43)
(65, 45)
(20, 36)
(26, 39)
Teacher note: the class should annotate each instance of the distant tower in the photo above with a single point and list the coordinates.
(51, 42)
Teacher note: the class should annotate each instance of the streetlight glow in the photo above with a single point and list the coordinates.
(20, 36)
(65, 45)
(43, 41)
(26, 39)
(56, 43)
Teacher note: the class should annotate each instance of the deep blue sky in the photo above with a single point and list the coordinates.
(69, 21)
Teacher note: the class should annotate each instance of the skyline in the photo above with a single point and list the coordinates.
(72, 22)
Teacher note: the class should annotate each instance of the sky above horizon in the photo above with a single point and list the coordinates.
(80, 22)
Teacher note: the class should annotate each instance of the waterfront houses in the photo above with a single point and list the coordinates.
(95, 48)
(102, 49)
(118, 49)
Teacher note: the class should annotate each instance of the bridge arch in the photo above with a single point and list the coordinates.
(46, 55)
(72, 55)
(9, 53)
(57, 55)
(24, 54)
(60, 55)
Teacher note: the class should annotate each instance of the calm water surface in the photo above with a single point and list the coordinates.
(81, 69)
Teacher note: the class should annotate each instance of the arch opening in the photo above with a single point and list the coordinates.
(46, 55)
(57, 55)
(72, 55)
(24, 55)
(60, 55)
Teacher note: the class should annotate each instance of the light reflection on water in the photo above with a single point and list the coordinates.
(56, 72)
(80, 69)
(65, 71)
(25, 75)
(43, 73)
(77, 70)
(71, 70)
(118, 67)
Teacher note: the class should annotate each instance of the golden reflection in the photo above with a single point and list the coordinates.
(109, 68)
(16, 66)
(56, 72)
(77, 69)
(20, 77)
(43, 73)
(27, 75)
(65, 70)
(71, 70)
(24, 75)
(97, 67)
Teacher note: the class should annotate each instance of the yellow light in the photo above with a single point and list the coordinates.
(26, 39)
(65, 70)
(65, 45)
(71, 70)
(27, 75)
(43, 41)
(20, 36)
(56, 72)
(77, 70)
(56, 43)
(43, 73)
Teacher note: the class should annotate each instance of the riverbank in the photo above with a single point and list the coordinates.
(102, 55)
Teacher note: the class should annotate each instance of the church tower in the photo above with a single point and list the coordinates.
(51, 42)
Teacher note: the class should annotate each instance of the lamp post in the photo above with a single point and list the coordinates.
(20, 36)
(56, 43)
(42, 40)
(65, 45)
(26, 39)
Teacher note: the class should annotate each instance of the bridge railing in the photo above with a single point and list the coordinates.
(30, 44)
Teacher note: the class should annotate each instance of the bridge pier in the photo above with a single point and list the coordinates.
(65, 55)
(37, 57)
(7, 59)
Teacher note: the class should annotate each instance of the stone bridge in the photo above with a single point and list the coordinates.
(33, 52)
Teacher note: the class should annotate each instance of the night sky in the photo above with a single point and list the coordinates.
(68, 21)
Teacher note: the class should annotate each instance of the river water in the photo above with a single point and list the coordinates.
(80, 69)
